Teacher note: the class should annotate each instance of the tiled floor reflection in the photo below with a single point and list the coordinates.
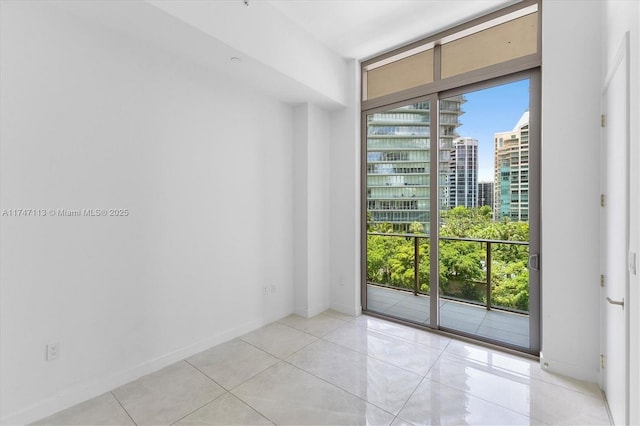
(334, 369)
(495, 324)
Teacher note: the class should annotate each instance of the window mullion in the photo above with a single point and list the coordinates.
(434, 209)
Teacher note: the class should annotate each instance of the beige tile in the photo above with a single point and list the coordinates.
(318, 325)
(279, 340)
(399, 422)
(526, 367)
(535, 398)
(558, 405)
(289, 396)
(338, 315)
(410, 356)
(102, 410)
(377, 382)
(434, 403)
(167, 395)
(587, 388)
(490, 356)
(232, 363)
(403, 332)
(494, 385)
(364, 371)
(226, 410)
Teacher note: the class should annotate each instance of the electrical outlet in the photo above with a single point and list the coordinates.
(53, 351)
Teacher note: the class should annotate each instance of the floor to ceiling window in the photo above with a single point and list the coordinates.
(451, 181)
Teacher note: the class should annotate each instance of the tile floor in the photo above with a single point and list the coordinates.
(495, 324)
(335, 369)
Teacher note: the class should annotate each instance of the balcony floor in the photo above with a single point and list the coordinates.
(498, 325)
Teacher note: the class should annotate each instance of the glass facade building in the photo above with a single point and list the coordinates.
(511, 182)
(464, 173)
(398, 162)
(485, 194)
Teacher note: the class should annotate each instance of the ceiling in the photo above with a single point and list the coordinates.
(363, 28)
(209, 32)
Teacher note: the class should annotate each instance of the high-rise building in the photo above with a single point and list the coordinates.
(398, 156)
(463, 173)
(511, 175)
(485, 194)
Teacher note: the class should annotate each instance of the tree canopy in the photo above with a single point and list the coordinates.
(462, 264)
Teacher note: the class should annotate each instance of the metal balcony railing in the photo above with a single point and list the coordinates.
(487, 266)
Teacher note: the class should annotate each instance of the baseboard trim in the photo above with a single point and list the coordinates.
(571, 370)
(346, 309)
(86, 391)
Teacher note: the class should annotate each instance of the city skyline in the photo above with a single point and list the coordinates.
(398, 153)
(489, 111)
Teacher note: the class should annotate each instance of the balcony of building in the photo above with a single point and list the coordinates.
(455, 315)
(483, 288)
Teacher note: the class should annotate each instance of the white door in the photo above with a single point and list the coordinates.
(615, 236)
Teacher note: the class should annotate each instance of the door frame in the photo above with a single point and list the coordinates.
(535, 201)
(621, 62)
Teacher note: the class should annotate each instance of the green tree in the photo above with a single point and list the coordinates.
(462, 267)
(416, 228)
(510, 285)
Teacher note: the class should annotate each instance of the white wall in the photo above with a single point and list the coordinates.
(91, 119)
(311, 211)
(300, 210)
(318, 210)
(620, 17)
(571, 86)
(345, 201)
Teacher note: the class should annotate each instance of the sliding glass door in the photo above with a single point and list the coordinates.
(398, 211)
(452, 199)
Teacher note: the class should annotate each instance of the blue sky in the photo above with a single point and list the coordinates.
(492, 110)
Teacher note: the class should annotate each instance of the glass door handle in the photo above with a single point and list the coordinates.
(616, 302)
(534, 262)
